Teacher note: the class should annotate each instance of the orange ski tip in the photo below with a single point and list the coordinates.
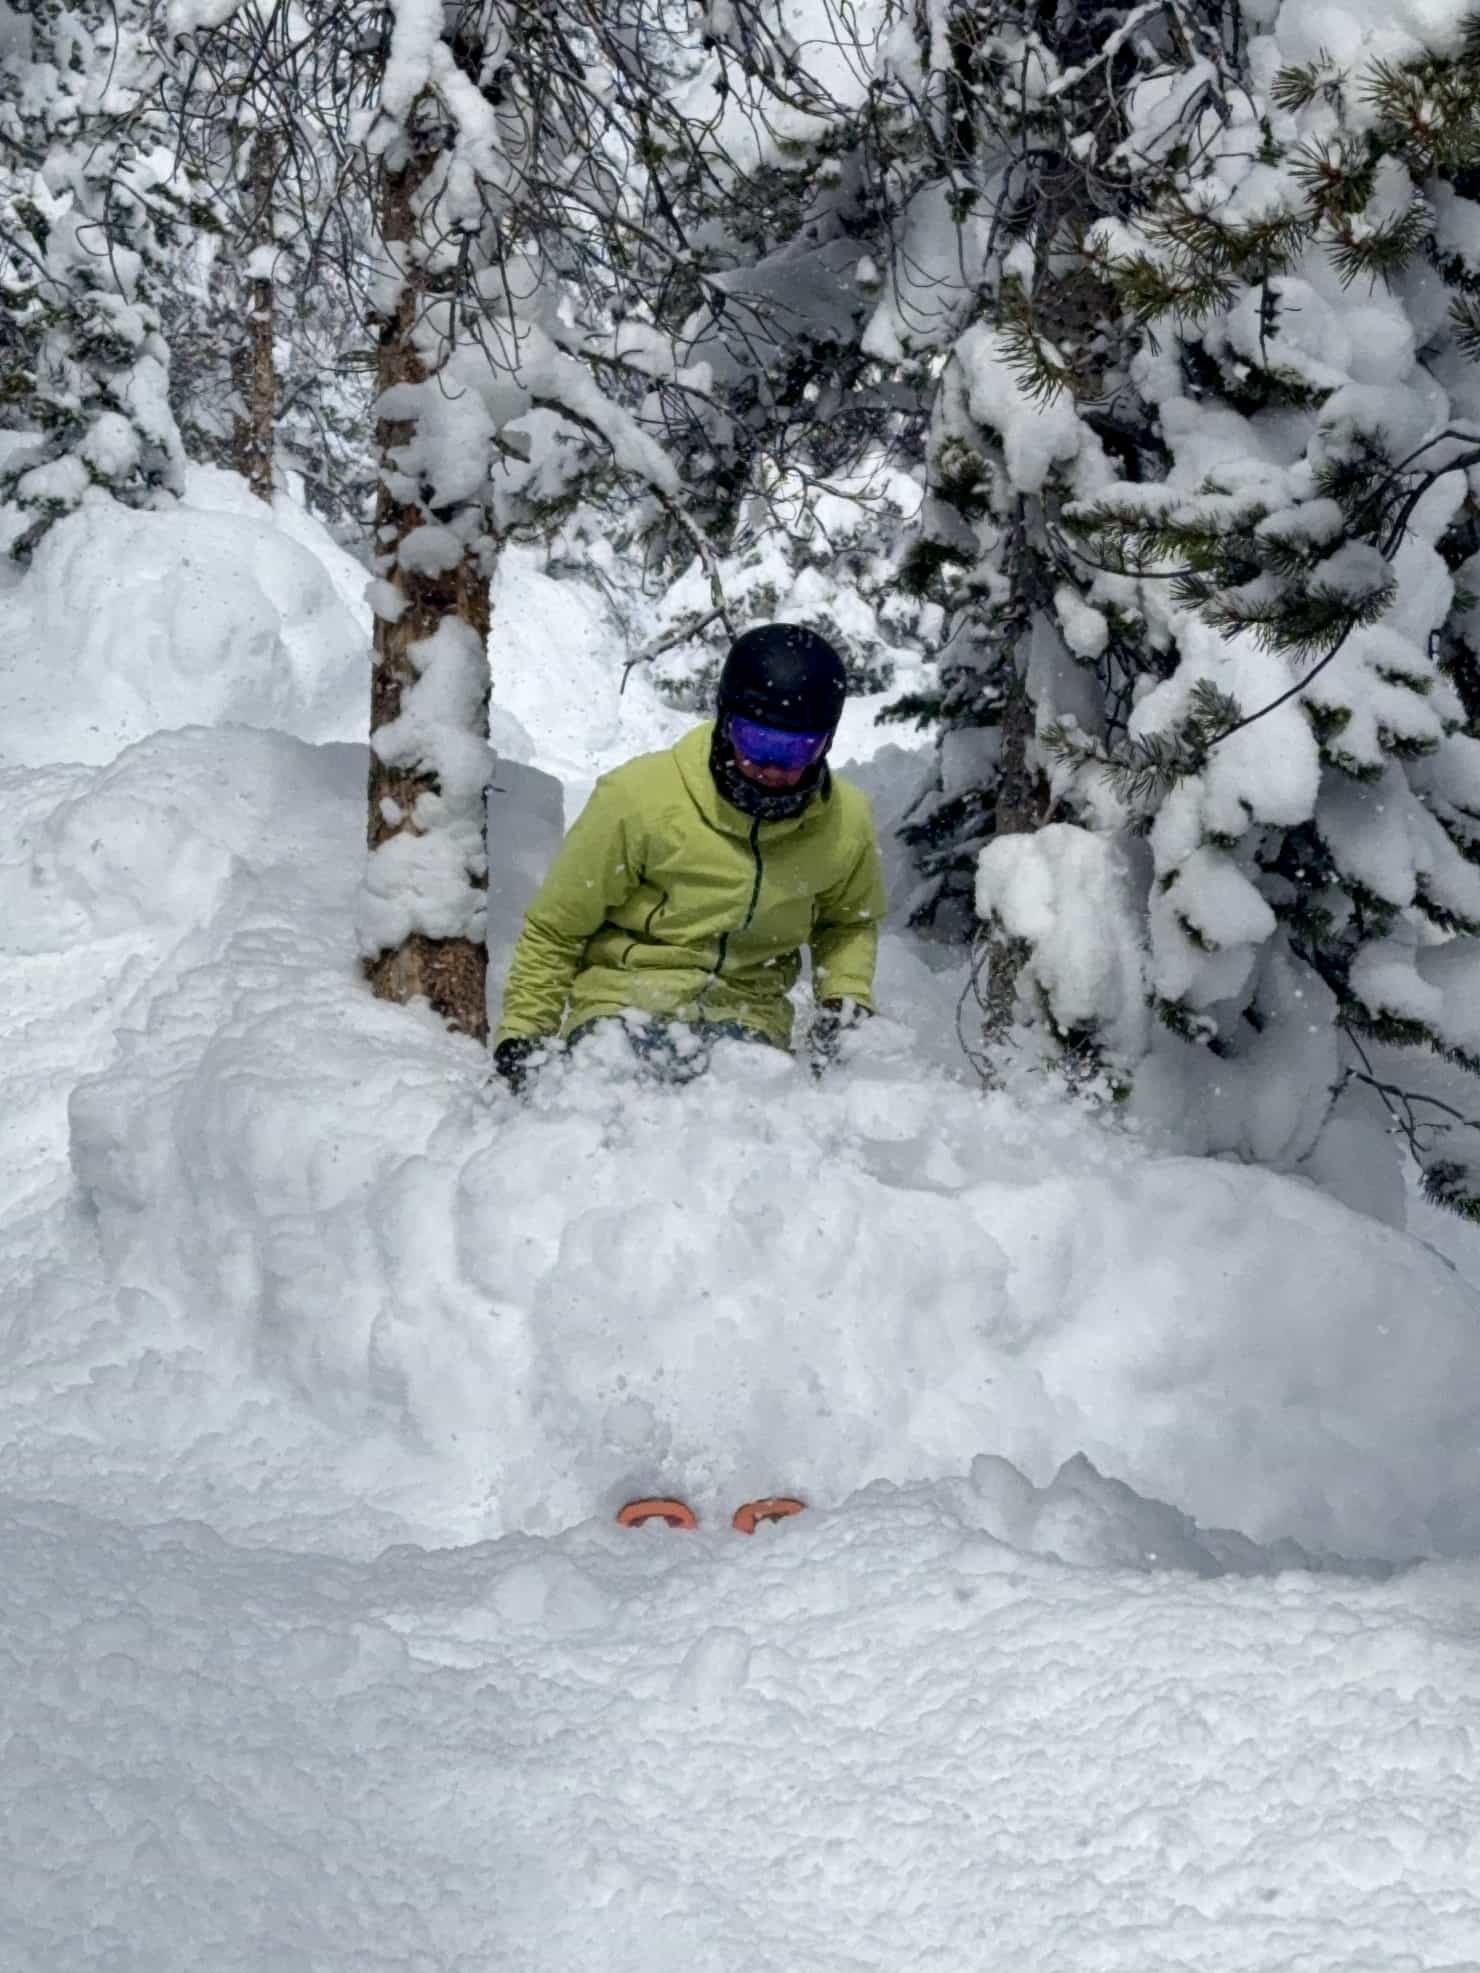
(776, 1507)
(676, 1513)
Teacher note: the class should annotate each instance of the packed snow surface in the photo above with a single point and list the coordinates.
(1134, 1619)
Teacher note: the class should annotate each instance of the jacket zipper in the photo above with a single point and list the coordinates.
(744, 925)
(755, 889)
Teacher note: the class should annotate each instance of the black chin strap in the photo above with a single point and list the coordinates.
(766, 804)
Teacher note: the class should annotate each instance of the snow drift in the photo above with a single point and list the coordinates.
(296, 1311)
(319, 1213)
(218, 610)
(879, 1737)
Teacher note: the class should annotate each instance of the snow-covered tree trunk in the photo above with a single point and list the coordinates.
(254, 371)
(260, 103)
(475, 131)
(424, 906)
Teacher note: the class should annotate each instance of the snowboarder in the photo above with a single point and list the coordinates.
(680, 900)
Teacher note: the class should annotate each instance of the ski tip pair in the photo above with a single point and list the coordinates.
(678, 1514)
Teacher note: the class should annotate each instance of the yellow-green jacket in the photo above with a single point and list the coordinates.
(666, 899)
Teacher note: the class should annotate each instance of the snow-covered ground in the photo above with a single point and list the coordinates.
(885, 1739)
(325, 1364)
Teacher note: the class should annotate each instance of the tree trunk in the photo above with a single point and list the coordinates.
(1021, 792)
(252, 365)
(450, 972)
(1069, 308)
(1020, 810)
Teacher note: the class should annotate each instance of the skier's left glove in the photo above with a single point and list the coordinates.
(832, 1020)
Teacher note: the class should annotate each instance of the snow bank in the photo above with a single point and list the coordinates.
(286, 1268)
(333, 1249)
(880, 1737)
(211, 612)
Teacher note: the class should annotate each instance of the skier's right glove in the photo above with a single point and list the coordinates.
(830, 1023)
(517, 1059)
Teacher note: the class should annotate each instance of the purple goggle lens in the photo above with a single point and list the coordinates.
(769, 746)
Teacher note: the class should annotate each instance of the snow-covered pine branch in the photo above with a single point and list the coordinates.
(94, 226)
(1024, 155)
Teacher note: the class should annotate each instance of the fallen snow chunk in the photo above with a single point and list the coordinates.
(387, 602)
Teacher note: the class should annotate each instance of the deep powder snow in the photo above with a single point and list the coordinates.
(325, 1364)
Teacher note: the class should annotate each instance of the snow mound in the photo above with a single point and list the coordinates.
(214, 611)
(333, 1250)
(874, 1737)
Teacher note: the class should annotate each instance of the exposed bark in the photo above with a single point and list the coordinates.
(450, 973)
(1005, 960)
(1022, 793)
(253, 371)
(1022, 805)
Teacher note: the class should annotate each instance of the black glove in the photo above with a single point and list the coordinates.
(517, 1059)
(831, 1021)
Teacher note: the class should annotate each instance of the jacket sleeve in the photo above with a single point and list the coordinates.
(596, 868)
(845, 937)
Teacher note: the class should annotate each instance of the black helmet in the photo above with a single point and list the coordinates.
(782, 674)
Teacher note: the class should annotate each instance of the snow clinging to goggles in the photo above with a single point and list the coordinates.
(770, 746)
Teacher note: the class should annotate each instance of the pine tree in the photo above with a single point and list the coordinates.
(1023, 151)
(783, 424)
(1305, 774)
(271, 367)
(94, 230)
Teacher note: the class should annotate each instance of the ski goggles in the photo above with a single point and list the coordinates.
(772, 746)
